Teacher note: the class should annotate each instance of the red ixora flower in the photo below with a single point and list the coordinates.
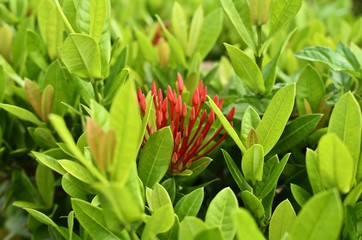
(188, 142)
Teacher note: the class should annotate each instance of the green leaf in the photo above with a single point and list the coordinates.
(282, 220)
(235, 172)
(80, 54)
(51, 27)
(170, 186)
(210, 31)
(155, 157)
(272, 179)
(189, 205)
(148, 50)
(77, 170)
(92, 220)
(276, 117)
(179, 25)
(300, 194)
(190, 227)
(70, 10)
(309, 86)
(253, 204)
(252, 163)
(220, 211)
(335, 60)
(195, 29)
(321, 218)
(110, 89)
(230, 130)
(198, 167)
(98, 13)
(283, 12)
(250, 120)
(239, 15)
(22, 113)
(209, 234)
(297, 131)
(3, 83)
(336, 166)
(74, 187)
(161, 221)
(353, 196)
(346, 122)
(45, 182)
(174, 44)
(50, 162)
(246, 68)
(158, 197)
(246, 227)
(125, 120)
(41, 217)
(311, 162)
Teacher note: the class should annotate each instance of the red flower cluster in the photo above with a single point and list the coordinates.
(171, 110)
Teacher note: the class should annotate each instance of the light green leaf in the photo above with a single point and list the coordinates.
(190, 227)
(189, 205)
(125, 120)
(179, 25)
(210, 31)
(77, 170)
(321, 218)
(3, 83)
(297, 131)
(250, 120)
(336, 166)
(159, 197)
(155, 157)
(92, 219)
(98, 13)
(310, 87)
(246, 69)
(70, 9)
(51, 27)
(353, 196)
(346, 122)
(80, 54)
(282, 220)
(283, 12)
(241, 21)
(22, 113)
(74, 187)
(311, 162)
(161, 221)
(235, 172)
(195, 29)
(148, 50)
(300, 194)
(220, 212)
(246, 227)
(110, 90)
(252, 163)
(276, 117)
(45, 182)
(210, 234)
(50, 162)
(230, 130)
(254, 205)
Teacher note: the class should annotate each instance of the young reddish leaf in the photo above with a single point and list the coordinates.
(33, 94)
(252, 138)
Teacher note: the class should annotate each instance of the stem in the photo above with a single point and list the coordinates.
(95, 89)
(259, 56)
(65, 20)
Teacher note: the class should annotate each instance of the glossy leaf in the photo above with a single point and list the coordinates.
(276, 117)
(253, 204)
(250, 120)
(311, 162)
(300, 194)
(77, 170)
(296, 131)
(282, 220)
(346, 122)
(209, 234)
(235, 172)
(246, 227)
(310, 87)
(110, 89)
(189, 205)
(50, 162)
(80, 54)
(246, 69)
(220, 212)
(336, 166)
(241, 21)
(124, 119)
(92, 220)
(158, 197)
(22, 113)
(3, 83)
(155, 157)
(252, 163)
(283, 11)
(320, 218)
(230, 130)
(190, 227)
(161, 221)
